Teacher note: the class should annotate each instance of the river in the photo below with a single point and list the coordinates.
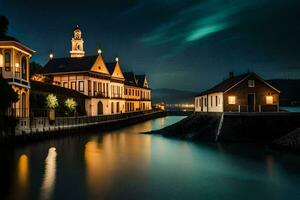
(124, 164)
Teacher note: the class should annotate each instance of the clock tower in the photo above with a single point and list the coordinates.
(77, 44)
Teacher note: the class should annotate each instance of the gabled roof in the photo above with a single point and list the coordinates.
(130, 78)
(8, 40)
(229, 83)
(141, 80)
(59, 65)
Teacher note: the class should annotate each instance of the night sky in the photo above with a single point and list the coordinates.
(180, 44)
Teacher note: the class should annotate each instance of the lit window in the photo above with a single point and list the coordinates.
(65, 84)
(251, 83)
(73, 85)
(231, 100)
(7, 59)
(269, 100)
(81, 86)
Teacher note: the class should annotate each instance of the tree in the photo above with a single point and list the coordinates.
(8, 96)
(3, 25)
(70, 105)
(51, 101)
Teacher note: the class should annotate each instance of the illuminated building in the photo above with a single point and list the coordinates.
(103, 83)
(14, 66)
(244, 93)
(137, 92)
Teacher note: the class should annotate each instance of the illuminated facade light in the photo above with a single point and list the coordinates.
(117, 59)
(232, 100)
(51, 56)
(99, 51)
(269, 100)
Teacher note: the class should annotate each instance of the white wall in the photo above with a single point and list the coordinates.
(215, 102)
(210, 105)
(198, 107)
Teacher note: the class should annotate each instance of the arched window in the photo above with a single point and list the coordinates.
(24, 68)
(7, 59)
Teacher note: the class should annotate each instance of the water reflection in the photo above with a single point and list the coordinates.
(124, 164)
(50, 175)
(106, 160)
(23, 171)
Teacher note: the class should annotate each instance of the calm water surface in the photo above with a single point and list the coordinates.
(124, 164)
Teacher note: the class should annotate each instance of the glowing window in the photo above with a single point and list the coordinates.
(269, 100)
(231, 99)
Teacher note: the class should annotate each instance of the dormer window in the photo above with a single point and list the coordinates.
(251, 83)
(7, 61)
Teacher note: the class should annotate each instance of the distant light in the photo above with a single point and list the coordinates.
(99, 51)
(17, 65)
(51, 56)
(117, 59)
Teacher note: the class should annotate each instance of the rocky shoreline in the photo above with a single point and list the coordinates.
(274, 129)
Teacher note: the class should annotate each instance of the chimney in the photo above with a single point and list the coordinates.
(231, 74)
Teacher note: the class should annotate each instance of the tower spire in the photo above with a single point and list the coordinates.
(77, 44)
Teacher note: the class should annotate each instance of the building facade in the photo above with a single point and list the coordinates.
(244, 93)
(137, 92)
(14, 66)
(103, 83)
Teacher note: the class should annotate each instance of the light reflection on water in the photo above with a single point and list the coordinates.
(49, 175)
(123, 164)
(23, 170)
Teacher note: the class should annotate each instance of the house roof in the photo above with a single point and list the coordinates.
(58, 65)
(11, 40)
(130, 78)
(231, 82)
(141, 79)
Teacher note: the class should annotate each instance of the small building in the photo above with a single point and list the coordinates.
(14, 67)
(244, 93)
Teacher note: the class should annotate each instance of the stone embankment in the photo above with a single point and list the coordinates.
(84, 128)
(289, 141)
(234, 127)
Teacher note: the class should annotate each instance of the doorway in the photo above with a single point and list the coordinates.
(100, 108)
(251, 102)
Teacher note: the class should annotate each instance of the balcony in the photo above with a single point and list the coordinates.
(100, 95)
(116, 96)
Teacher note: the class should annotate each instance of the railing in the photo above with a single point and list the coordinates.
(17, 80)
(18, 112)
(100, 94)
(116, 96)
(255, 108)
(43, 123)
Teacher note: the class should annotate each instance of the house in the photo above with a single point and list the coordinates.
(14, 66)
(102, 82)
(244, 93)
(137, 92)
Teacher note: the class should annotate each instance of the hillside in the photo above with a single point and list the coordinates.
(290, 90)
(172, 96)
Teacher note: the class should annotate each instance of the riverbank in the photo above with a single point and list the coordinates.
(233, 127)
(62, 131)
